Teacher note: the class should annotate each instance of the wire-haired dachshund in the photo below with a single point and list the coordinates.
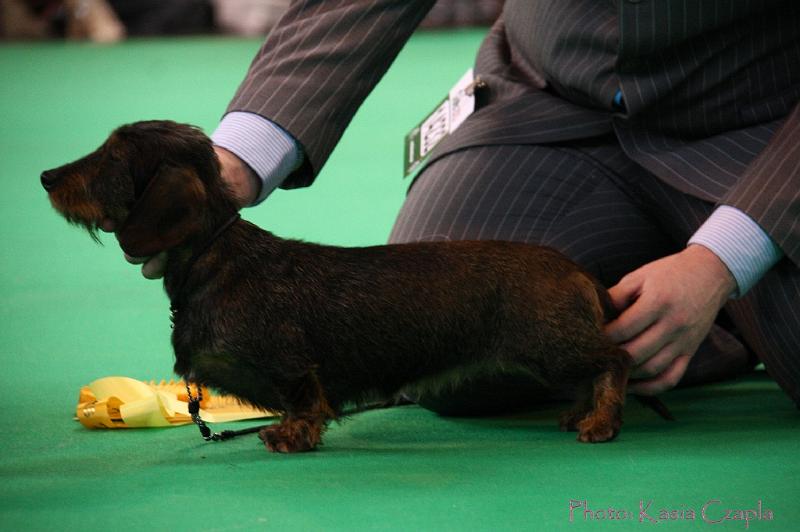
(305, 329)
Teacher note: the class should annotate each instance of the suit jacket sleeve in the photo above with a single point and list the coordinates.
(769, 190)
(319, 64)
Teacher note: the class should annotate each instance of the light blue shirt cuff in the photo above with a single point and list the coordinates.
(269, 150)
(740, 243)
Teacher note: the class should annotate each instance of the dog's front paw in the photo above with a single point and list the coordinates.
(596, 428)
(291, 436)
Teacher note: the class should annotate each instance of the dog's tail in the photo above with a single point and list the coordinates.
(655, 403)
(610, 312)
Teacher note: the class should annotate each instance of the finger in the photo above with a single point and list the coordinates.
(667, 380)
(136, 260)
(154, 268)
(633, 321)
(624, 293)
(657, 363)
(652, 342)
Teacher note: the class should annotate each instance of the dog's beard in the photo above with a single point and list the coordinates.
(91, 227)
(79, 212)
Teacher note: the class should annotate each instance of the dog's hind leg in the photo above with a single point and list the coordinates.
(605, 420)
(307, 414)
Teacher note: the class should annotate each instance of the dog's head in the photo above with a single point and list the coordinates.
(157, 183)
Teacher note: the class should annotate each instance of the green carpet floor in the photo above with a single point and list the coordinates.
(72, 311)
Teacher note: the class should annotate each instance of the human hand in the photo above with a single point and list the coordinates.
(668, 307)
(242, 182)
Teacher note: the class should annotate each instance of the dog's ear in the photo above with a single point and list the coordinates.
(165, 215)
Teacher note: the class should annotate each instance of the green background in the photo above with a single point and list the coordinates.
(73, 311)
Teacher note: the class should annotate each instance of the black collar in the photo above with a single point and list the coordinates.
(175, 303)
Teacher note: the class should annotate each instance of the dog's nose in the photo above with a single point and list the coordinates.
(50, 179)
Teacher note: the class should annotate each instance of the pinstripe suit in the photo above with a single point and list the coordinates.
(711, 115)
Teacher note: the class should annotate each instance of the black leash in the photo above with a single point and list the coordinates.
(194, 401)
(205, 430)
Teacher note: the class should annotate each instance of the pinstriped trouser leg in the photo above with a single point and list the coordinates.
(769, 320)
(584, 200)
(546, 195)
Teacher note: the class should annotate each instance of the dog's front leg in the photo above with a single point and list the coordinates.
(293, 434)
(306, 417)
